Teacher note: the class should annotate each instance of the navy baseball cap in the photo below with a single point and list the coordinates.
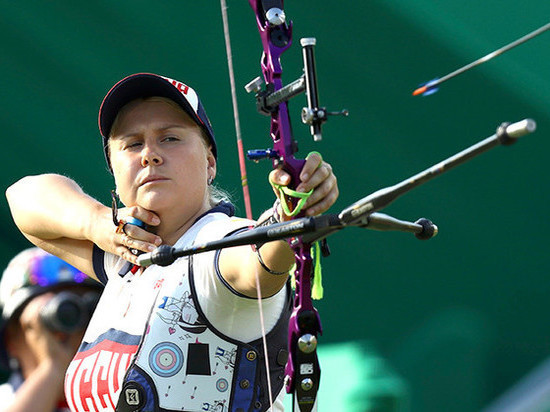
(148, 85)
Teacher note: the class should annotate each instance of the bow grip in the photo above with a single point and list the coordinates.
(294, 168)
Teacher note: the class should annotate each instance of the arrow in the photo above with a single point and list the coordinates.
(431, 87)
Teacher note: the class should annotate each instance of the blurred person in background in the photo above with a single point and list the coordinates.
(46, 305)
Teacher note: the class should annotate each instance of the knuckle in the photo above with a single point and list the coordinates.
(127, 255)
(326, 188)
(315, 156)
(121, 251)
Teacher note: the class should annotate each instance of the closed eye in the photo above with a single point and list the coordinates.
(132, 145)
(170, 139)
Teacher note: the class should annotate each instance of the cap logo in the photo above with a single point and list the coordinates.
(187, 91)
(183, 88)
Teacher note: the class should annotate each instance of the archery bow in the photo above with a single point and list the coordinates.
(302, 368)
(302, 372)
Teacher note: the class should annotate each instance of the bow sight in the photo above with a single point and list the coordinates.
(269, 99)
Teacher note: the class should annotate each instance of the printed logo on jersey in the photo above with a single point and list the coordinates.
(94, 377)
(166, 359)
(181, 312)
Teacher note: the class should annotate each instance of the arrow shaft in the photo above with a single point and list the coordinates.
(493, 54)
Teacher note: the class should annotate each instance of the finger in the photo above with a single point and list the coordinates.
(314, 160)
(125, 254)
(140, 245)
(280, 177)
(321, 173)
(324, 196)
(130, 220)
(323, 205)
(128, 250)
(139, 234)
(144, 215)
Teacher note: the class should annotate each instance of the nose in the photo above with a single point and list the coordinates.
(150, 156)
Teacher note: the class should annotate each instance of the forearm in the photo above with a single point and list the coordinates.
(270, 263)
(50, 207)
(274, 258)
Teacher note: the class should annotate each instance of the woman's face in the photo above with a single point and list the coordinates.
(159, 158)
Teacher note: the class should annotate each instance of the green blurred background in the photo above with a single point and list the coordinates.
(450, 323)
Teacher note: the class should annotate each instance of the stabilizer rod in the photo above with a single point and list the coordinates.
(507, 133)
(310, 228)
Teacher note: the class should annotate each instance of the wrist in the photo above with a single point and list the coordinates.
(275, 258)
(100, 217)
(273, 215)
(270, 216)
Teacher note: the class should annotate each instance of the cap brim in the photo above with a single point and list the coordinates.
(134, 87)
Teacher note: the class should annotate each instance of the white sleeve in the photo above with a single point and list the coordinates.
(106, 265)
(232, 314)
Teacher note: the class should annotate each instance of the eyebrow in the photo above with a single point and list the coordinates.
(161, 129)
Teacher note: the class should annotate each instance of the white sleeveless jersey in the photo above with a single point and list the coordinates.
(148, 321)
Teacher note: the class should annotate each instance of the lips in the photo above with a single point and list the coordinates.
(152, 179)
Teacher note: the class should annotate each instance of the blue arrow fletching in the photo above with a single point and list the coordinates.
(431, 87)
(430, 91)
(427, 88)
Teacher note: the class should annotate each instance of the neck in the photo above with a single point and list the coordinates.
(174, 224)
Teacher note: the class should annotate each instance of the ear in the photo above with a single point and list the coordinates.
(211, 163)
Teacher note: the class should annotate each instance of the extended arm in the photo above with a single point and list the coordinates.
(239, 265)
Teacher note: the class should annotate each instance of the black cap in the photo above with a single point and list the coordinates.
(148, 85)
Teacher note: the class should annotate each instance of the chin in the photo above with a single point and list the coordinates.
(157, 201)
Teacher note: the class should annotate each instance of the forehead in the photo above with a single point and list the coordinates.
(154, 112)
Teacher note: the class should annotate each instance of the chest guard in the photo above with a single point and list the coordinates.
(185, 364)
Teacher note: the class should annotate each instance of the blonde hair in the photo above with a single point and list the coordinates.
(215, 193)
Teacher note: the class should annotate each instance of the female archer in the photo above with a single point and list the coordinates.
(186, 336)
